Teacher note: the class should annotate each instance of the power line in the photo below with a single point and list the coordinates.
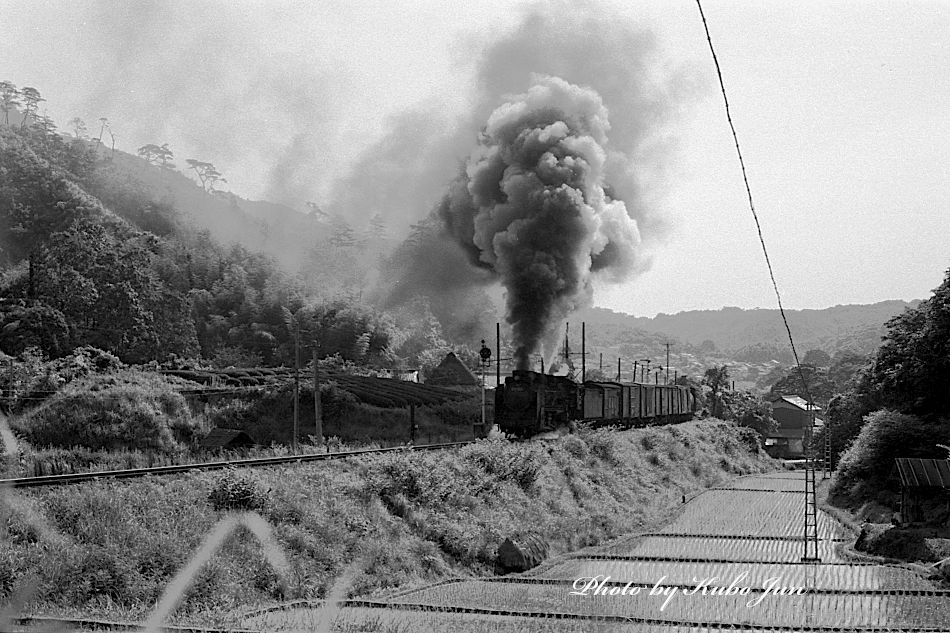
(748, 190)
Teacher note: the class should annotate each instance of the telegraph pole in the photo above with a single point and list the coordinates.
(296, 384)
(583, 351)
(317, 405)
(667, 362)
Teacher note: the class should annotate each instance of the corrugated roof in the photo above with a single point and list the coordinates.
(799, 402)
(923, 473)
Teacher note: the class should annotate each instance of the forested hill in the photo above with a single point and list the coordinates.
(102, 249)
(759, 333)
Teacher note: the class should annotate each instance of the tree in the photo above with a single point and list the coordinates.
(717, 379)
(342, 236)
(377, 226)
(816, 357)
(79, 127)
(911, 370)
(103, 123)
(207, 174)
(31, 102)
(157, 154)
(749, 410)
(820, 387)
(9, 99)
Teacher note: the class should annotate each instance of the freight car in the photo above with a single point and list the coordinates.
(530, 403)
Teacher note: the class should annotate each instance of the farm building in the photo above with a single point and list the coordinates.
(226, 438)
(923, 482)
(794, 416)
(452, 372)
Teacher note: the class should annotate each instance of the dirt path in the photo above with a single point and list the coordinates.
(730, 559)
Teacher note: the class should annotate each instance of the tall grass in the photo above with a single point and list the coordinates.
(407, 517)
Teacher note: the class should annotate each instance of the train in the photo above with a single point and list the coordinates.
(530, 403)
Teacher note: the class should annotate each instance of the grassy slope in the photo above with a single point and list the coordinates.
(403, 518)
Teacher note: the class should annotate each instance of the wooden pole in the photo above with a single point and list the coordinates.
(667, 363)
(583, 351)
(618, 369)
(497, 354)
(296, 385)
(412, 423)
(317, 405)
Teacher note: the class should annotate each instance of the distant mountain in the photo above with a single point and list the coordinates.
(733, 330)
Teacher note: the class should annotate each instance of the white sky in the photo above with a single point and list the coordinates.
(842, 111)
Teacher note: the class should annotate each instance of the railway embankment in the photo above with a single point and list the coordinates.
(109, 548)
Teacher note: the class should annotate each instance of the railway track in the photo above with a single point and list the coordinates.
(256, 462)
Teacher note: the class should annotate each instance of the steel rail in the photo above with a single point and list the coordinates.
(254, 462)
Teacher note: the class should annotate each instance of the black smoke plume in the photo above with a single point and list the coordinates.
(532, 208)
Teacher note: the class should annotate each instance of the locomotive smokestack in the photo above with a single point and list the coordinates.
(534, 208)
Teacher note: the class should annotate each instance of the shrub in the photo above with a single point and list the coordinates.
(886, 435)
(575, 446)
(131, 411)
(237, 491)
(519, 463)
(602, 444)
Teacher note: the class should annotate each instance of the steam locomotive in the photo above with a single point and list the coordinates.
(530, 403)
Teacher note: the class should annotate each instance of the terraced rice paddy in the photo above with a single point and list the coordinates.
(730, 560)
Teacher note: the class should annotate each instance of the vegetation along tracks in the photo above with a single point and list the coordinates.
(74, 478)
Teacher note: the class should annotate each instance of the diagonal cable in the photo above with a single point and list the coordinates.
(748, 191)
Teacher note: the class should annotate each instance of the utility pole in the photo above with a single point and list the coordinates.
(634, 371)
(618, 370)
(583, 351)
(317, 405)
(497, 355)
(668, 362)
(644, 369)
(296, 384)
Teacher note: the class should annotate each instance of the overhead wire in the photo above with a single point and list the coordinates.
(755, 215)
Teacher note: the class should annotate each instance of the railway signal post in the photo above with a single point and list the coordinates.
(485, 354)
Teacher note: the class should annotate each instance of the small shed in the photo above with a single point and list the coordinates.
(921, 478)
(226, 438)
(452, 372)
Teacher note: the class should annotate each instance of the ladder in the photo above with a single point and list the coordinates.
(811, 498)
(827, 461)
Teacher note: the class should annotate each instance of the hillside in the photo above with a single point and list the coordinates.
(396, 520)
(731, 330)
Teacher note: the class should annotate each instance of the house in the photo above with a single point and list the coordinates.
(452, 372)
(794, 417)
